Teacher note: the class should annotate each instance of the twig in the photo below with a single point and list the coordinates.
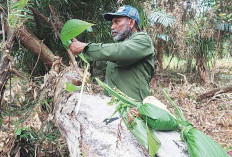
(37, 60)
(10, 102)
(185, 79)
(119, 137)
(77, 107)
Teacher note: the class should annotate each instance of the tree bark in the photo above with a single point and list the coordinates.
(56, 25)
(215, 91)
(5, 60)
(92, 131)
(31, 42)
(203, 71)
(159, 55)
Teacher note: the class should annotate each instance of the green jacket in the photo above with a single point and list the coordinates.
(130, 63)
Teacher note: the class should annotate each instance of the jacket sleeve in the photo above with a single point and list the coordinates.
(123, 53)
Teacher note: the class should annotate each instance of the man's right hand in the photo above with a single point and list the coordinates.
(76, 46)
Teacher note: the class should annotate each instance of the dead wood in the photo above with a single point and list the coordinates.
(5, 60)
(56, 24)
(88, 133)
(203, 71)
(211, 93)
(31, 42)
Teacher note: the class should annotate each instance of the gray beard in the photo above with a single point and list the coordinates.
(123, 34)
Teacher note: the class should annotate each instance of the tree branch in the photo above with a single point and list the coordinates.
(211, 93)
(56, 25)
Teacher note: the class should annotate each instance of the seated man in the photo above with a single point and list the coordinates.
(130, 61)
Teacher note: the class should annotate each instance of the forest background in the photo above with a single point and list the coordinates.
(193, 44)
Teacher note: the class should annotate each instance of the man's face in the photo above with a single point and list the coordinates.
(120, 28)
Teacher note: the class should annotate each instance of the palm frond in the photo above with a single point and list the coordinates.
(163, 37)
(162, 18)
(223, 26)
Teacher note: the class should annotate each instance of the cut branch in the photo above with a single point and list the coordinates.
(211, 93)
(56, 25)
(31, 42)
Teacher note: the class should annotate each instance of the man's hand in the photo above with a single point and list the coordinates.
(76, 46)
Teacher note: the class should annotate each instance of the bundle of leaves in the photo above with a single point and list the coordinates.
(141, 119)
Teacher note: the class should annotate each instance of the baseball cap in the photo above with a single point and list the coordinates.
(125, 10)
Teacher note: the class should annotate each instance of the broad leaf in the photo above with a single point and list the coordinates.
(71, 88)
(157, 118)
(162, 18)
(71, 29)
(201, 145)
(153, 142)
(138, 129)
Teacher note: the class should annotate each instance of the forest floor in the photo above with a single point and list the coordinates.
(213, 116)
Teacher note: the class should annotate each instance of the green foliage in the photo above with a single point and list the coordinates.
(200, 145)
(162, 18)
(18, 13)
(1, 121)
(153, 142)
(71, 29)
(138, 126)
(71, 88)
(30, 139)
(119, 95)
(157, 118)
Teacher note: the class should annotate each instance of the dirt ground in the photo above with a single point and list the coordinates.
(213, 116)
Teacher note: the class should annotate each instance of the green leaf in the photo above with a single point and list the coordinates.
(179, 112)
(83, 58)
(157, 118)
(138, 129)
(118, 94)
(162, 18)
(18, 131)
(71, 88)
(201, 145)
(1, 121)
(71, 29)
(22, 3)
(153, 142)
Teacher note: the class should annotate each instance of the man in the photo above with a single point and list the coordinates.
(130, 61)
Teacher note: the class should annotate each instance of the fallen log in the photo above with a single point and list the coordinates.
(211, 93)
(94, 133)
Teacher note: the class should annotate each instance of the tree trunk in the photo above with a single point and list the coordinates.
(93, 133)
(203, 71)
(159, 55)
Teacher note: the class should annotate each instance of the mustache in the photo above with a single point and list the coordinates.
(114, 31)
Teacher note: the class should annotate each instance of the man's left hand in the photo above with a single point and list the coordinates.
(76, 46)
